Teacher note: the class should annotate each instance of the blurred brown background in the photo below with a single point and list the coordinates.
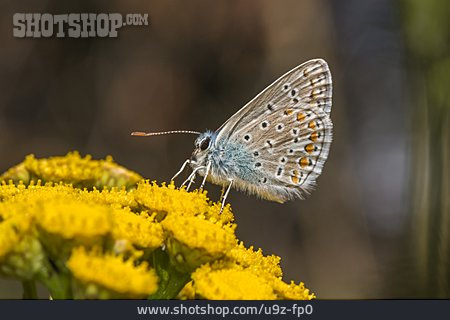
(378, 224)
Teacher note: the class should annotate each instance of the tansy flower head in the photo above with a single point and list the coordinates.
(139, 229)
(168, 199)
(223, 280)
(291, 291)
(255, 260)
(113, 196)
(224, 217)
(230, 284)
(74, 218)
(243, 262)
(22, 199)
(110, 276)
(8, 189)
(72, 168)
(193, 241)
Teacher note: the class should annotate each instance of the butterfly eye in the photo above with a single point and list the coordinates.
(205, 144)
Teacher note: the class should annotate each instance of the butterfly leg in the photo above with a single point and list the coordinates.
(222, 192)
(191, 177)
(181, 169)
(190, 183)
(208, 167)
(225, 196)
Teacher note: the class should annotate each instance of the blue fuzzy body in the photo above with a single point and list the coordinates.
(231, 160)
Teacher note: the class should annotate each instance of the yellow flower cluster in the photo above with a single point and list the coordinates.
(232, 283)
(59, 218)
(129, 281)
(92, 229)
(243, 274)
(73, 169)
(193, 241)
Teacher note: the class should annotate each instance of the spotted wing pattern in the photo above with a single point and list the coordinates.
(288, 130)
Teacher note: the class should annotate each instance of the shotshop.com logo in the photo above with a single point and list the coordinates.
(73, 25)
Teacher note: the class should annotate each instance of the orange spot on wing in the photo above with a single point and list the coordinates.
(312, 124)
(300, 116)
(295, 179)
(303, 162)
(314, 136)
(288, 112)
(309, 147)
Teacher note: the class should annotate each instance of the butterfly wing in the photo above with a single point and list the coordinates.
(288, 130)
(312, 79)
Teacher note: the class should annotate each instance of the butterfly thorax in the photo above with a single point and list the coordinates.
(228, 159)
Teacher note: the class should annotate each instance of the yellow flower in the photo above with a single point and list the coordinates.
(194, 240)
(22, 199)
(230, 284)
(268, 267)
(80, 214)
(72, 168)
(225, 217)
(167, 199)
(74, 218)
(110, 276)
(291, 291)
(139, 229)
(224, 280)
(238, 263)
(255, 260)
(8, 190)
(113, 196)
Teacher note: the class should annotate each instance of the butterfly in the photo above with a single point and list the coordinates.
(275, 146)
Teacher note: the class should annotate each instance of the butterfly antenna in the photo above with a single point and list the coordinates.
(148, 134)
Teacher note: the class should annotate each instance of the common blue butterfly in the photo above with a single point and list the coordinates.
(275, 146)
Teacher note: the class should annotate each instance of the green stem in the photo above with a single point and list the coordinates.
(59, 286)
(29, 289)
(171, 288)
(57, 281)
(171, 281)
